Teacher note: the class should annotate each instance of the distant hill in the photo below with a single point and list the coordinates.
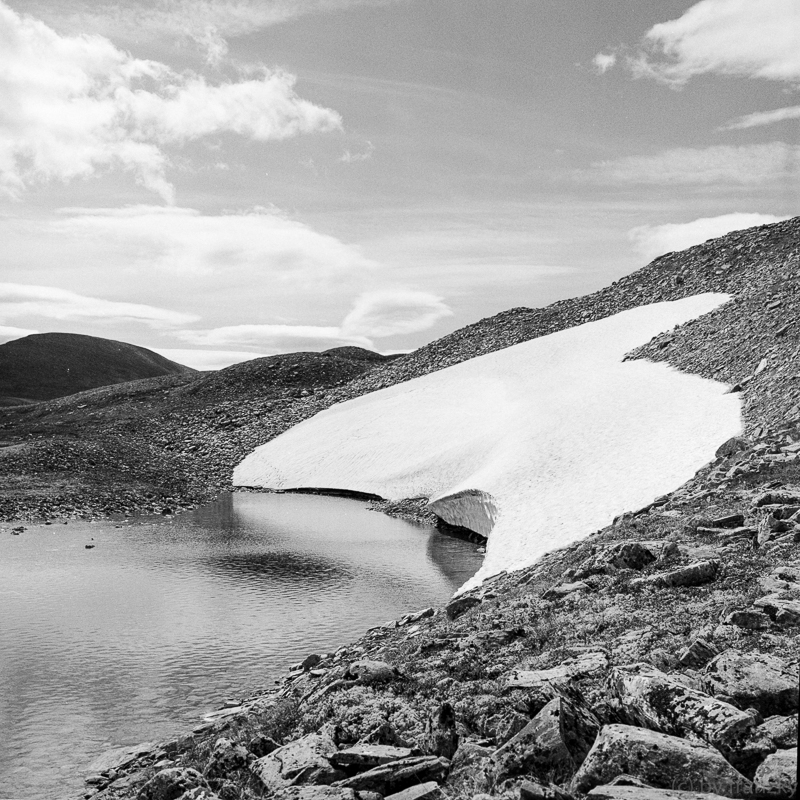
(48, 365)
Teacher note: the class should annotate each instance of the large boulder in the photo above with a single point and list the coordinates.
(551, 746)
(777, 776)
(581, 666)
(398, 775)
(170, 784)
(470, 770)
(651, 699)
(662, 761)
(304, 761)
(754, 680)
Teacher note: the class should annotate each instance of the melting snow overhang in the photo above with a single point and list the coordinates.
(536, 446)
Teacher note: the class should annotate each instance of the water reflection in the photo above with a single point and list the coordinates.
(163, 618)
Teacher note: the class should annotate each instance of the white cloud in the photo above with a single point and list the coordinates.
(351, 158)
(728, 37)
(394, 312)
(206, 359)
(8, 333)
(263, 246)
(23, 300)
(761, 118)
(375, 315)
(603, 62)
(275, 338)
(198, 19)
(655, 240)
(73, 105)
(749, 165)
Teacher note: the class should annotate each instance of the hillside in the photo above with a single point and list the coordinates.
(655, 659)
(48, 365)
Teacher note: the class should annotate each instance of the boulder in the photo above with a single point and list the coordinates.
(531, 790)
(366, 756)
(367, 672)
(170, 784)
(756, 680)
(694, 574)
(651, 699)
(698, 653)
(664, 762)
(304, 761)
(782, 731)
(470, 770)
(424, 791)
(565, 589)
(777, 776)
(227, 757)
(781, 611)
(455, 608)
(749, 620)
(647, 793)
(440, 737)
(551, 746)
(399, 775)
(581, 666)
(314, 793)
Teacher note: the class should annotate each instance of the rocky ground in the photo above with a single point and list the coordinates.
(655, 659)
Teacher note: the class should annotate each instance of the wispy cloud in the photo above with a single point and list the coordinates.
(24, 300)
(375, 315)
(73, 105)
(761, 118)
(7, 333)
(655, 240)
(748, 165)
(726, 37)
(365, 155)
(208, 22)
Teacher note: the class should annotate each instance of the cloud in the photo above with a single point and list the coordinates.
(73, 105)
(761, 118)
(8, 333)
(655, 240)
(748, 165)
(375, 315)
(206, 359)
(394, 312)
(262, 246)
(23, 300)
(352, 158)
(726, 37)
(205, 21)
(603, 62)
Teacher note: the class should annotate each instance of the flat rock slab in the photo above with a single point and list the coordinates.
(758, 680)
(369, 755)
(581, 666)
(399, 775)
(643, 793)
(119, 757)
(664, 762)
(654, 700)
(565, 589)
(314, 793)
(695, 574)
(304, 761)
(425, 791)
(777, 776)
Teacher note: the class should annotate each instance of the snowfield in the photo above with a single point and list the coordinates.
(536, 446)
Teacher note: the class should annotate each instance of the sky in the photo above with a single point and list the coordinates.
(222, 179)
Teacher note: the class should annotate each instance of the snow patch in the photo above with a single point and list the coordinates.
(536, 446)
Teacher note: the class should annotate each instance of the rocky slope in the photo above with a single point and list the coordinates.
(655, 659)
(47, 365)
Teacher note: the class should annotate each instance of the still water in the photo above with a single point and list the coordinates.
(135, 638)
